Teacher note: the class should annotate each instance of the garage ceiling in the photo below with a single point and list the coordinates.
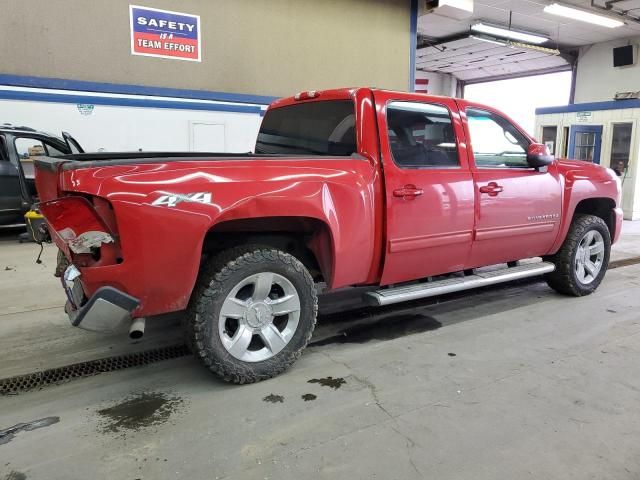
(472, 60)
(447, 47)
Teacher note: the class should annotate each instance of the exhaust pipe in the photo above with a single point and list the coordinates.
(137, 329)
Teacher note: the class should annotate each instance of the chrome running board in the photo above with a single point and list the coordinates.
(387, 296)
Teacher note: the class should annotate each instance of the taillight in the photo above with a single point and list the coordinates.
(75, 222)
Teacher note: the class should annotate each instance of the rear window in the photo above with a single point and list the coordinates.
(314, 128)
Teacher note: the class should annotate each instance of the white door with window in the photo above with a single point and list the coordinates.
(207, 137)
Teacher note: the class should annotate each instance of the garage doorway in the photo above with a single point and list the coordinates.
(519, 97)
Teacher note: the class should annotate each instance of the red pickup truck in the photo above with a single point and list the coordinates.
(346, 187)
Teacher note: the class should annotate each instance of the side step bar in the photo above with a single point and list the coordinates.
(387, 296)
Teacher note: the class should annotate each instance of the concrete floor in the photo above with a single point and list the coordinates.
(510, 382)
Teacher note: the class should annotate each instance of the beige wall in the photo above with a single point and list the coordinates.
(262, 47)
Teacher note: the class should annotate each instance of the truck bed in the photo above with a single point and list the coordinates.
(89, 160)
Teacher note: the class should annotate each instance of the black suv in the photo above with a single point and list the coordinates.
(19, 146)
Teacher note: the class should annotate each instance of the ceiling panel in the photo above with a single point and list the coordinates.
(524, 7)
(528, 15)
(471, 59)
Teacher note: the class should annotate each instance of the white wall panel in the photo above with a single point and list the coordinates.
(120, 128)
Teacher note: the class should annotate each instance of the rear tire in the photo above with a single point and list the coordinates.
(582, 261)
(252, 313)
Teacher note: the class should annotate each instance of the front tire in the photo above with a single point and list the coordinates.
(582, 261)
(252, 314)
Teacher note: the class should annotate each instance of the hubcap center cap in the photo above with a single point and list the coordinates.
(258, 315)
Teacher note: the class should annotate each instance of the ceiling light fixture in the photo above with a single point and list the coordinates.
(521, 45)
(508, 33)
(582, 15)
(495, 41)
(536, 48)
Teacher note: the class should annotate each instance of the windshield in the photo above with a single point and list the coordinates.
(314, 128)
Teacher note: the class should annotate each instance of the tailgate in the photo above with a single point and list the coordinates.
(47, 173)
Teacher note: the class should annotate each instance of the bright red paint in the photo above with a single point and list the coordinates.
(375, 223)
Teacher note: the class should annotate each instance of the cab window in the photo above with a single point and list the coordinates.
(314, 128)
(495, 141)
(421, 135)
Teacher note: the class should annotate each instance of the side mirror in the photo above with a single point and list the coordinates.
(538, 155)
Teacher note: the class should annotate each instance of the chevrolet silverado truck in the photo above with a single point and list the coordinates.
(409, 194)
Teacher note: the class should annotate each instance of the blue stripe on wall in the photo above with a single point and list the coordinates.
(127, 102)
(595, 106)
(125, 89)
(413, 44)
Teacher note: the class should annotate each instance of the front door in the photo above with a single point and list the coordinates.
(518, 207)
(585, 142)
(429, 189)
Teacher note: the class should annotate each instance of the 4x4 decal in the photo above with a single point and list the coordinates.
(173, 199)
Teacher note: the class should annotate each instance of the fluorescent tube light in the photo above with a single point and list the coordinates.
(582, 15)
(506, 33)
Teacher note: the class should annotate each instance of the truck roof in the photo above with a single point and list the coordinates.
(9, 128)
(338, 94)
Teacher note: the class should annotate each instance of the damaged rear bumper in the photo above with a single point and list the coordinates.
(108, 309)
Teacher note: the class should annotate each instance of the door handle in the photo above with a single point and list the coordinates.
(408, 192)
(493, 189)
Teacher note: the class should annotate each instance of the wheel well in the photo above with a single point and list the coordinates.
(307, 239)
(600, 207)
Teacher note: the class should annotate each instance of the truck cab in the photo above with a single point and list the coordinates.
(460, 188)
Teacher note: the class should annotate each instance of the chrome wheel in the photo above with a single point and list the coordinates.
(589, 257)
(259, 317)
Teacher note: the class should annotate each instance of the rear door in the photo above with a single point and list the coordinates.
(518, 208)
(10, 192)
(429, 188)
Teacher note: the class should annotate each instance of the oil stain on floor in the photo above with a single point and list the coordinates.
(331, 382)
(13, 475)
(386, 328)
(139, 411)
(273, 398)
(309, 397)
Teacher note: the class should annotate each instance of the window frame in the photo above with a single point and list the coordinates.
(555, 139)
(422, 167)
(46, 143)
(627, 171)
(492, 114)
